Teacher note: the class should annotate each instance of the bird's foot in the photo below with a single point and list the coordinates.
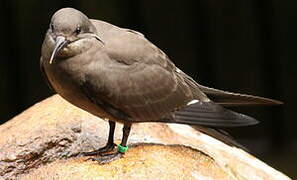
(107, 158)
(100, 151)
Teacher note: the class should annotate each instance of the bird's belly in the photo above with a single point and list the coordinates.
(68, 86)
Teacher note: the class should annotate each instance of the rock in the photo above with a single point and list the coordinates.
(141, 162)
(43, 143)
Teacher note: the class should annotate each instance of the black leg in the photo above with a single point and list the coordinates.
(110, 144)
(106, 158)
(126, 132)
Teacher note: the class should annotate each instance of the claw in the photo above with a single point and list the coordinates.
(100, 151)
(107, 158)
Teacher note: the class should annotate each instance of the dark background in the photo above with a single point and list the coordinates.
(245, 46)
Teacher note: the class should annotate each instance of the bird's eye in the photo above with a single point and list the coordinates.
(77, 30)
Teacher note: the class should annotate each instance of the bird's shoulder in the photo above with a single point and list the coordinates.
(128, 46)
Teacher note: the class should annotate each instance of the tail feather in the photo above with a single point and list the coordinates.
(235, 99)
(221, 135)
(211, 115)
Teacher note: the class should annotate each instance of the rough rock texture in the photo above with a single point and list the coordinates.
(43, 143)
(142, 162)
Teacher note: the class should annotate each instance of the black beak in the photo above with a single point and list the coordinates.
(60, 43)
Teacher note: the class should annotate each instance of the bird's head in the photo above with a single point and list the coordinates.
(68, 30)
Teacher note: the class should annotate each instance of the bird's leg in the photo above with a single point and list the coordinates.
(122, 148)
(110, 144)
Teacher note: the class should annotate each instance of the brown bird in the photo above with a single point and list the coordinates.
(117, 74)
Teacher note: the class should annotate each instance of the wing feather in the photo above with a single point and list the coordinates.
(235, 99)
(138, 79)
(146, 94)
(212, 115)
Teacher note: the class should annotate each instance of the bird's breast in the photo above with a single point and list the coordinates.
(67, 77)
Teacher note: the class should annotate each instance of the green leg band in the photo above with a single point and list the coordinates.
(122, 149)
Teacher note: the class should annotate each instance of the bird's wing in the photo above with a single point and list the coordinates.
(138, 79)
(211, 115)
(145, 92)
(226, 98)
(235, 99)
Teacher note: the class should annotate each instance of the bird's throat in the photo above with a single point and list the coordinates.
(71, 48)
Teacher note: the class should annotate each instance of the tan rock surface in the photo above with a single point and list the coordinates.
(141, 162)
(43, 141)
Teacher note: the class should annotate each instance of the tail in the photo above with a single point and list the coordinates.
(221, 135)
(211, 115)
(235, 99)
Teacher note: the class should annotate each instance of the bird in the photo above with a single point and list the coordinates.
(117, 74)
